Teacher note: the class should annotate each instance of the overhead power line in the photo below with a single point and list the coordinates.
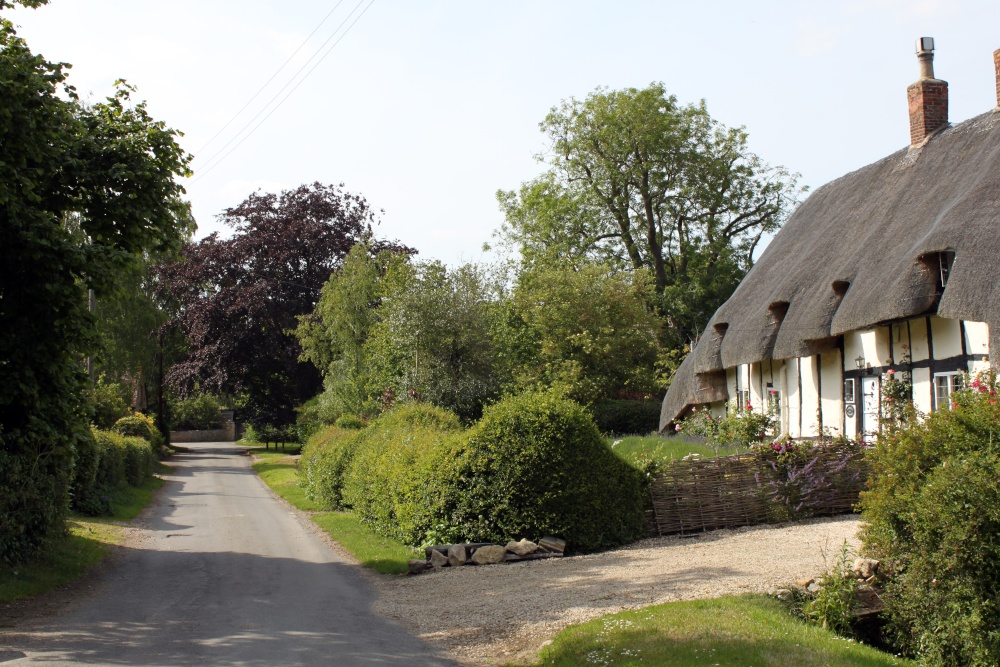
(219, 156)
(268, 82)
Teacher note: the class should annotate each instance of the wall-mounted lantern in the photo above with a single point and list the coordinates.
(859, 362)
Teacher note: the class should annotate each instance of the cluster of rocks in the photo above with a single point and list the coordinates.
(864, 570)
(484, 553)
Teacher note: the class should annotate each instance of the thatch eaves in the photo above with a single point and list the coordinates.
(863, 250)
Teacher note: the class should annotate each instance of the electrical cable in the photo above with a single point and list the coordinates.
(267, 83)
(218, 156)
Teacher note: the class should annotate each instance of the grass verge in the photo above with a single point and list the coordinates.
(87, 542)
(630, 447)
(728, 631)
(280, 472)
(373, 551)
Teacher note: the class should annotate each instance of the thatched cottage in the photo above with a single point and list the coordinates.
(894, 267)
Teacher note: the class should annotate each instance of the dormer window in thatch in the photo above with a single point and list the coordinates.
(946, 259)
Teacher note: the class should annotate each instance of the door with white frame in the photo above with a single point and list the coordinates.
(869, 408)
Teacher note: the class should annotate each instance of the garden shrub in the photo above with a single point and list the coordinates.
(625, 417)
(395, 479)
(199, 412)
(536, 464)
(933, 518)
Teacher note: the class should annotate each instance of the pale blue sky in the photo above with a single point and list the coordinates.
(427, 108)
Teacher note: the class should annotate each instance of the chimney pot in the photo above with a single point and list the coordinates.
(996, 65)
(928, 97)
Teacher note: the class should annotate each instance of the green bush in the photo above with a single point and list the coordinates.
(834, 604)
(625, 417)
(395, 479)
(199, 412)
(109, 402)
(350, 422)
(932, 516)
(139, 425)
(536, 464)
(324, 459)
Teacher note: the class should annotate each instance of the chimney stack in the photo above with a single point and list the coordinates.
(928, 97)
(996, 64)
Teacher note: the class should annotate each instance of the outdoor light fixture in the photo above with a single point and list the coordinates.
(859, 361)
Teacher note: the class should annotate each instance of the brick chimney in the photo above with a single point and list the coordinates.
(927, 98)
(996, 64)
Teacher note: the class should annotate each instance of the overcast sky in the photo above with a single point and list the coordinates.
(427, 108)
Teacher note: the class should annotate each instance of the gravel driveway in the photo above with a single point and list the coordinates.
(500, 613)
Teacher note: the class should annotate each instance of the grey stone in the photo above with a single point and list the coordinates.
(522, 548)
(438, 559)
(489, 555)
(457, 555)
(865, 567)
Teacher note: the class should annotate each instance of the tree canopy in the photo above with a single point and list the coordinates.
(637, 181)
(85, 190)
(240, 297)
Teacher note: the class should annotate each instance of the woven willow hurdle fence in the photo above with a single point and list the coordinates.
(747, 489)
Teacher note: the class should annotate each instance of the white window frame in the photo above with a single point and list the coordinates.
(955, 381)
(850, 396)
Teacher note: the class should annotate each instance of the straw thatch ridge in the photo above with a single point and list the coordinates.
(863, 250)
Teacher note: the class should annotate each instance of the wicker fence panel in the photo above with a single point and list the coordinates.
(748, 489)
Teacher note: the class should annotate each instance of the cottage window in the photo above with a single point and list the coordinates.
(849, 390)
(774, 403)
(945, 384)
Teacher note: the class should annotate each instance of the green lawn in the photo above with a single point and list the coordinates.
(629, 447)
(280, 472)
(86, 543)
(729, 631)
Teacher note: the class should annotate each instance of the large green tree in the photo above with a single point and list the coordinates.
(84, 191)
(640, 182)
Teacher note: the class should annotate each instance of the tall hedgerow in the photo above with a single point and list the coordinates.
(933, 518)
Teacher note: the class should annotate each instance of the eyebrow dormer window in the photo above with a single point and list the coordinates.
(946, 259)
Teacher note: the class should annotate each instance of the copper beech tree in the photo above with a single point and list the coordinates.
(239, 297)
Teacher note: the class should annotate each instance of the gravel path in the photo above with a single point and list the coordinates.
(500, 613)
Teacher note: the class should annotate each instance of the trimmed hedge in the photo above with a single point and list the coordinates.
(396, 480)
(535, 464)
(107, 461)
(324, 459)
(627, 417)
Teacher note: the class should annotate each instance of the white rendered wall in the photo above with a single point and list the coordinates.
(923, 390)
(946, 338)
(810, 397)
(919, 350)
(792, 396)
(977, 338)
(832, 391)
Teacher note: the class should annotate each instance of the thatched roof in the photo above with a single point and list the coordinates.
(863, 250)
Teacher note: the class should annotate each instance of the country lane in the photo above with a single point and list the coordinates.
(221, 573)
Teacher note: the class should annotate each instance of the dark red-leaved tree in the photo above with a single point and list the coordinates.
(239, 297)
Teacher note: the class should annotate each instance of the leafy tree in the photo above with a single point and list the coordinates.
(240, 297)
(637, 181)
(596, 336)
(84, 191)
(436, 338)
(334, 335)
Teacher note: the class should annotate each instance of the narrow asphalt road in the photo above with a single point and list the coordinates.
(221, 574)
